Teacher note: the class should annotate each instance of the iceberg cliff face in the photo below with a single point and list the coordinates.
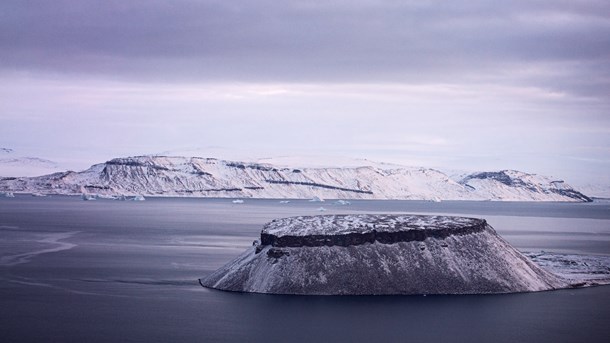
(208, 177)
(381, 254)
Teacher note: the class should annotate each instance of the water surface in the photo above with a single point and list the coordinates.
(107, 271)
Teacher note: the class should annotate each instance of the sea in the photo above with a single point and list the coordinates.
(127, 271)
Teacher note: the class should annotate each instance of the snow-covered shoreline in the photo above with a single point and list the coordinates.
(209, 177)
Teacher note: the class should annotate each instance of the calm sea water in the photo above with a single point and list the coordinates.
(108, 271)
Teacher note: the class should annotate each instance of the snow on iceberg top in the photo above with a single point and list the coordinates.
(332, 225)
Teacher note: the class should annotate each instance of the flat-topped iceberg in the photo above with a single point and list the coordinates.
(382, 254)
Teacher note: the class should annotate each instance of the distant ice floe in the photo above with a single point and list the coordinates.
(238, 201)
(88, 197)
(342, 202)
(138, 198)
(321, 209)
(85, 196)
(587, 269)
(316, 199)
(7, 195)
(284, 201)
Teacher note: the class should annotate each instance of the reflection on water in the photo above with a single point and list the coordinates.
(106, 271)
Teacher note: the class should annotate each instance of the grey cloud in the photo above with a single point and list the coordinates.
(303, 41)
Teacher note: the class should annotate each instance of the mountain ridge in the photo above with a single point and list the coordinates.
(13, 164)
(210, 177)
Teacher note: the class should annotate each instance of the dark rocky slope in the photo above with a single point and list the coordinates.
(381, 254)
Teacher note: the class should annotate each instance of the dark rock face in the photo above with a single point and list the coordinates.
(381, 254)
(501, 177)
(570, 193)
(319, 185)
(384, 237)
(277, 253)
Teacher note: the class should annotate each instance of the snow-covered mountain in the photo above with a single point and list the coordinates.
(209, 177)
(597, 191)
(12, 164)
(514, 185)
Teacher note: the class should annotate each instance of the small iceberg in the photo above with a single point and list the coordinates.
(238, 201)
(321, 209)
(88, 197)
(8, 195)
(342, 202)
(138, 198)
(38, 195)
(316, 199)
(284, 201)
(116, 197)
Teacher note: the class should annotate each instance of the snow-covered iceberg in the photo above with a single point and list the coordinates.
(382, 254)
(342, 202)
(88, 197)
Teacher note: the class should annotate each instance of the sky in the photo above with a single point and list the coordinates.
(453, 85)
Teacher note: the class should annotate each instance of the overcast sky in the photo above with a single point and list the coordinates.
(476, 85)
